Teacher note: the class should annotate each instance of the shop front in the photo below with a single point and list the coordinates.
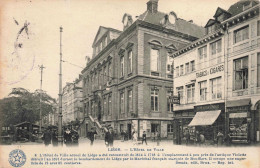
(209, 120)
(239, 120)
(181, 120)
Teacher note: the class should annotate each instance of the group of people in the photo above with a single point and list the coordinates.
(50, 136)
(71, 137)
(200, 138)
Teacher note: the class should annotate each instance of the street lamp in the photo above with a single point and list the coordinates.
(60, 136)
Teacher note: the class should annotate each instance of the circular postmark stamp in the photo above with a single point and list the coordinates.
(17, 158)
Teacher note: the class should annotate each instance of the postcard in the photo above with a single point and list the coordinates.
(127, 83)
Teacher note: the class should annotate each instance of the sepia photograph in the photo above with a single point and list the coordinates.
(130, 83)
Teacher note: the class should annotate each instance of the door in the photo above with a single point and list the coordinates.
(129, 131)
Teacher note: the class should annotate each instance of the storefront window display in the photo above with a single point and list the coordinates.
(238, 129)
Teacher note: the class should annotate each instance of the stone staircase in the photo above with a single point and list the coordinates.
(100, 129)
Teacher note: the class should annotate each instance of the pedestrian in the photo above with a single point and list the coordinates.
(54, 138)
(134, 138)
(144, 138)
(122, 135)
(67, 137)
(92, 134)
(158, 137)
(197, 137)
(187, 136)
(228, 139)
(75, 137)
(47, 137)
(202, 139)
(153, 136)
(220, 138)
(109, 138)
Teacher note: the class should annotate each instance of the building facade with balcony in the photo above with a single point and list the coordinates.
(129, 79)
(211, 77)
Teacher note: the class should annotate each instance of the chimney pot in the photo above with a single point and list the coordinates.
(152, 6)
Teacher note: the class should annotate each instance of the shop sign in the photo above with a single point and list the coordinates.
(209, 107)
(210, 71)
(174, 99)
(238, 115)
(238, 108)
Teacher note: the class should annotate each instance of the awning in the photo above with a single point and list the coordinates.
(205, 118)
(240, 102)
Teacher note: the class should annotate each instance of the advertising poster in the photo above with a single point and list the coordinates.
(129, 83)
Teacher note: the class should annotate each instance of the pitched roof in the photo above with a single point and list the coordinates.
(101, 31)
(180, 25)
(219, 11)
(238, 7)
(210, 22)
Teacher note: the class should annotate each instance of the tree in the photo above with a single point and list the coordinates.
(22, 105)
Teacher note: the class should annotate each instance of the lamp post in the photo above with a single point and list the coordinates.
(40, 128)
(60, 137)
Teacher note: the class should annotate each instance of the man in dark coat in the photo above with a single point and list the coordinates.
(109, 138)
(54, 138)
(144, 138)
(92, 134)
(67, 137)
(47, 137)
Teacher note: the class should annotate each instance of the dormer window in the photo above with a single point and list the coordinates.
(247, 6)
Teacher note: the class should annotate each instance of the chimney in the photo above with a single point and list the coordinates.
(152, 6)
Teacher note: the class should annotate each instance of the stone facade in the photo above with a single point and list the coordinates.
(127, 83)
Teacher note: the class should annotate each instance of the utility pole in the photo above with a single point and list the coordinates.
(40, 129)
(60, 137)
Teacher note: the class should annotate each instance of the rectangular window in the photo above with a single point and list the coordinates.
(122, 107)
(122, 66)
(101, 46)
(216, 88)
(258, 28)
(130, 101)
(169, 128)
(258, 69)
(105, 105)
(154, 100)
(105, 44)
(177, 71)
(169, 105)
(180, 93)
(241, 34)
(187, 68)
(192, 65)
(190, 93)
(169, 64)
(130, 62)
(105, 75)
(154, 60)
(203, 90)
(181, 70)
(240, 73)
(215, 48)
(109, 76)
(202, 54)
(109, 104)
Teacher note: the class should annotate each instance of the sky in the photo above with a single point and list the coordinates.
(30, 35)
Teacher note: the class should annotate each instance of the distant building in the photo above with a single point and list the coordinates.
(72, 109)
(127, 82)
(217, 77)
